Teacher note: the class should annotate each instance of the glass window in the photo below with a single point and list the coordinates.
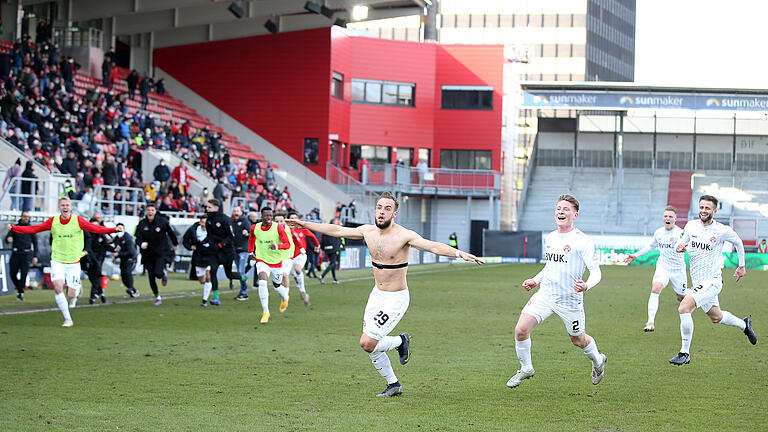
(358, 90)
(337, 85)
(372, 92)
(405, 95)
(458, 97)
(465, 159)
(382, 92)
(390, 94)
(375, 154)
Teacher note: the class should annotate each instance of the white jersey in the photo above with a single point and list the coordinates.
(706, 248)
(567, 255)
(665, 241)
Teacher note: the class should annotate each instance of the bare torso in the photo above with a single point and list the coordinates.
(388, 247)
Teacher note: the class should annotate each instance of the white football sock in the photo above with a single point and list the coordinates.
(300, 282)
(729, 319)
(523, 349)
(61, 302)
(383, 366)
(686, 332)
(388, 343)
(264, 296)
(283, 291)
(207, 290)
(592, 353)
(653, 307)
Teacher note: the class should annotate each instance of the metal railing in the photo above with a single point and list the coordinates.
(130, 203)
(415, 180)
(42, 196)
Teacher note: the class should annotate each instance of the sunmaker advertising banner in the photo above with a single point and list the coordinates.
(637, 100)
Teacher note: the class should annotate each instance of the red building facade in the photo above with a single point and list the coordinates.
(355, 97)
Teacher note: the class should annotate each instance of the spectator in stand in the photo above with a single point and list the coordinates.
(269, 174)
(206, 195)
(144, 91)
(28, 187)
(13, 172)
(219, 192)
(68, 73)
(113, 74)
(106, 71)
(150, 191)
(69, 190)
(168, 205)
(132, 80)
(160, 87)
(5, 66)
(181, 175)
(762, 247)
(162, 173)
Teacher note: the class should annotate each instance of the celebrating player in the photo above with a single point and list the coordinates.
(706, 237)
(300, 236)
(389, 245)
(568, 252)
(66, 251)
(266, 245)
(670, 266)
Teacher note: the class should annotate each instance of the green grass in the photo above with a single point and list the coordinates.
(179, 367)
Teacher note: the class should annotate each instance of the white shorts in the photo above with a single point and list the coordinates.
(384, 310)
(705, 293)
(287, 266)
(679, 280)
(69, 273)
(276, 273)
(540, 307)
(200, 271)
(300, 260)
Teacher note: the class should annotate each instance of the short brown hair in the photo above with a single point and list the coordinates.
(709, 198)
(281, 213)
(569, 198)
(387, 195)
(215, 202)
(670, 208)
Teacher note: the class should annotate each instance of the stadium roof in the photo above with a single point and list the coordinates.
(175, 22)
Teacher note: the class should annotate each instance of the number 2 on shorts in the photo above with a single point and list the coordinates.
(575, 325)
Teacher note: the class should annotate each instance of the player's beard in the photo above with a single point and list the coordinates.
(384, 224)
(707, 218)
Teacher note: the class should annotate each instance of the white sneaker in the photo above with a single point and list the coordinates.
(649, 327)
(305, 298)
(598, 372)
(68, 323)
(519, 377)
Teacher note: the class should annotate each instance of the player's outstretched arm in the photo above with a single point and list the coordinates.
(32, 229)
(329, 229)
(443, 249)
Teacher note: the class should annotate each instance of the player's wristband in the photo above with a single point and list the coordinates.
(458, 253)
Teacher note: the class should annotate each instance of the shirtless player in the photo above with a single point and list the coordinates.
(389, 245)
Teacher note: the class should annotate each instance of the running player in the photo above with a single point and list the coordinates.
(670, 267)
(203, 254)
(706, 237)
(389, 245)
(155, 235)
(287, 254)
(66, 251)
(266, 245)
(568, 252)
(300, 236)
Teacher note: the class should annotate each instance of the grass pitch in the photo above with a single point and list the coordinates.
(180, 367)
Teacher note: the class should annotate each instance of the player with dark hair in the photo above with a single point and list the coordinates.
(706, 236)
(154, 235)
(222, 239)
(266, 244)
(389, 244)
(23, 253)
(125, 249)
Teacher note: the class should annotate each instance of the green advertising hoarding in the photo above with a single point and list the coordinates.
(756, 261)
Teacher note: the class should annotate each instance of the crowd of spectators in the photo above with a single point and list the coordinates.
(97, 139)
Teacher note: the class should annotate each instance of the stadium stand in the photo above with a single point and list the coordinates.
(680, 194)
(97, 134)
(644, 195)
